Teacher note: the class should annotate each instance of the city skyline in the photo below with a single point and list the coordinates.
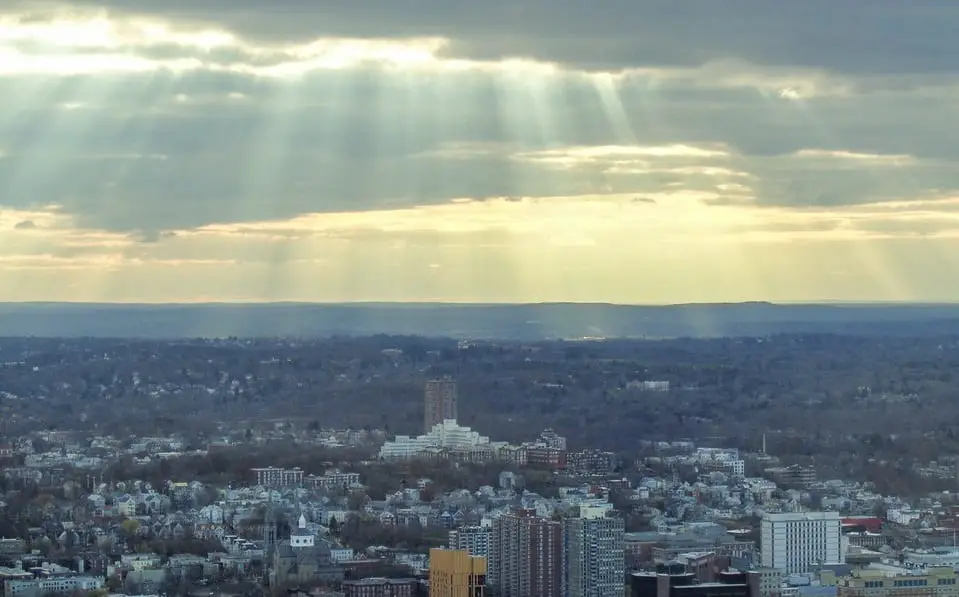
(633, 152)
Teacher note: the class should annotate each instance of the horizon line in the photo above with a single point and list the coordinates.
(454, 303)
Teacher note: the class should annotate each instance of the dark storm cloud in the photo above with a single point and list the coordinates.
(880, 36)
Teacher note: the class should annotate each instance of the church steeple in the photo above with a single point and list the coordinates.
(301, 537)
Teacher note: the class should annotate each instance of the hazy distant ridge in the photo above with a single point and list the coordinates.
(526, 322)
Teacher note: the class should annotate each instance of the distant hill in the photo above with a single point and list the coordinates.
(503, 321)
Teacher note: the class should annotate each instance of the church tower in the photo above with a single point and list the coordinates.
(301, 537)
(269, 529)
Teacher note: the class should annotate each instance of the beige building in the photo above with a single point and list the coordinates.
(455, 573)
(934, 582)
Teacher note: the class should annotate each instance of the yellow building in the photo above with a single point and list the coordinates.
(455, 573)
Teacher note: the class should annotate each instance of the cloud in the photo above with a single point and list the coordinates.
(148, 132)
(166, 151)
(536, 246)
(614, 34)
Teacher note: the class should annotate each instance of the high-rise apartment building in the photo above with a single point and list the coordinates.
(594, 554)
(798, 542)
(527, 555)
(455, 573)
(472, 539)
(439, 402)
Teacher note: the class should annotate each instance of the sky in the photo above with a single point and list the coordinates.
(625, 151)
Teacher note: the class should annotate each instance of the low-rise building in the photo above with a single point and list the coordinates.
(38, 587)
(380, 587)
(934, 582)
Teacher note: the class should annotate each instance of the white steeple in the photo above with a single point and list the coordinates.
(301, 536)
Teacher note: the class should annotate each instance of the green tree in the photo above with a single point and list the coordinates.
(130, 526)
(334, 526)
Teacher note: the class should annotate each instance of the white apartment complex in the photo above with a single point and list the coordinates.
(443, 435)
(334, 479)
(278, 477)
(801, 542)
(721, 459)
(54, 584)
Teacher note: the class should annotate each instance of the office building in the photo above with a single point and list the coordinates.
(594, 556)
(455, 573)
(527, 556)
(439, 402)
(799, 542)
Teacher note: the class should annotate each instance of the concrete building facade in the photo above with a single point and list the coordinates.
(799, 542)
(594, 556)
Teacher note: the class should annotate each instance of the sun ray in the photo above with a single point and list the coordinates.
(612, 103)
(136, 129)
(881, 270)
(268, 170)
(46, 140)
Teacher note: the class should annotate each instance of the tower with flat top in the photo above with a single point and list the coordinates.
(439, 402)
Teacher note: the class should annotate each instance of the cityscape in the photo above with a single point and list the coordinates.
(285, 506)
(498, 298)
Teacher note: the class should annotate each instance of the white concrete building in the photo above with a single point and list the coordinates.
(903, 516)
(800, 542)
(141, 561)
(342, 554)
(334, 478)
(443, 435)
(301, 537)
(405, 446)
(721, 458)
(54, 584)
(737, 467)
(272, 476)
